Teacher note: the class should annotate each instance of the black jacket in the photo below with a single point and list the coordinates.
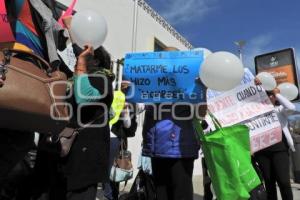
(87, 162)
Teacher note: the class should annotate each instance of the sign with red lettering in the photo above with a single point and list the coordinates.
(240, 104)
(265, 130)
(6, 34)
(248, 104)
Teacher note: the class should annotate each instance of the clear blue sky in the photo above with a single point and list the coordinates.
(266, 25)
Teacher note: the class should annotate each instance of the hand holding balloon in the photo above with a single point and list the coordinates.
(268, 82)
(257, 81)
(81, 66)
(276, 91)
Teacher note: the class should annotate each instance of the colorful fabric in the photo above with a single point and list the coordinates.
(27, 38)
(6, 34)
(25, 17)
(15, 45)
(25, 31)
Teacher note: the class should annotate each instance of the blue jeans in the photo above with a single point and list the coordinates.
(111, 189)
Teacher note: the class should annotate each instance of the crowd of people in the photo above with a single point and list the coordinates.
(30, 170)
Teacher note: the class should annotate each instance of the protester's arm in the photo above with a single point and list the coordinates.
(285, 102)
(286, 106)
(83, 89)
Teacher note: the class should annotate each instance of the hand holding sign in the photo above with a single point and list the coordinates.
(88, 27)
(222, 71)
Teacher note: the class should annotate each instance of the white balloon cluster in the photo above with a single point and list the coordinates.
(88, 28)
(288, 90)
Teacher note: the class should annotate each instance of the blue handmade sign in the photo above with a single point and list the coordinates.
(164, 77)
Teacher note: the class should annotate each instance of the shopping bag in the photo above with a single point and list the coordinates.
(227, 155)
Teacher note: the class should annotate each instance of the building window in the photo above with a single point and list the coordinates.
(158, 45)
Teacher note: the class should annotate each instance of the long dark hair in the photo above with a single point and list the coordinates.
(102, 58)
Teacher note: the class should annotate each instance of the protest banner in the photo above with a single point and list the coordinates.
(164, 77)
(242, 103)
(248, 104)
(265, 130)
(6, 34)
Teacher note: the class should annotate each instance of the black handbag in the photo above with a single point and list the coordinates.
(143, 188)
(258, 193)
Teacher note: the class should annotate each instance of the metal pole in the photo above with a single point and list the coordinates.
(240, 44)
(134, 28)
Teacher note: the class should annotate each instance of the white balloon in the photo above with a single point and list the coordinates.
(88, 28)
(267, 80)
(288, 90)
(206, 52)
(222, 71)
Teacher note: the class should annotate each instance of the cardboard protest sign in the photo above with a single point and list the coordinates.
(240, 104)
(265, 130)
(164, 76)
(6, 34)
(248, 104)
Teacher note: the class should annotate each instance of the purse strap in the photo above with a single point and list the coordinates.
(76, 131)
(215, 121)
(199, 129)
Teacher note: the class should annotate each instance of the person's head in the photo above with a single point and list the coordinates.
(95, 59)
(170, 49)
(102, 58)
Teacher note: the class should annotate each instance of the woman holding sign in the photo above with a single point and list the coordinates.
(274, 160)
(173, 147)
